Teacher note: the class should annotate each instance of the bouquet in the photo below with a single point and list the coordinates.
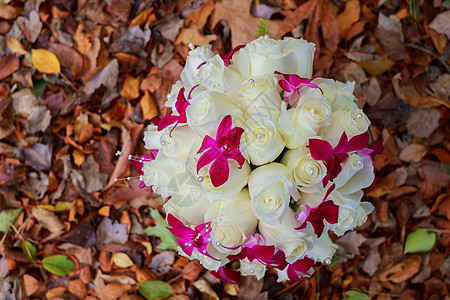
(258, 161)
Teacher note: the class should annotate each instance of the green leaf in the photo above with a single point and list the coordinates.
(29, 250)
(161, 231)
(155, 289)
(7, 217)
(420, 240)
(39, 86)
(355, 295)
(58, 264)
(263, 29)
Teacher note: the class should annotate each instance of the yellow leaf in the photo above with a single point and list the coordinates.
(78, 157)
(148, 246)
(376, 67)
(58, 207)
(122, 260)
(141, 18)
(15, 46)
(130, 89)
(349, 16)
(149, 109)
(111, 124)
(104, 211)
(45, 61)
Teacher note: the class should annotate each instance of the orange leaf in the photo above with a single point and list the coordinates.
(130, 89)
(104, 211)
(8, 64)
(45, 61)
(142, 17)
(31, 284)
(83, 39)
(349, 16)
(149, 108)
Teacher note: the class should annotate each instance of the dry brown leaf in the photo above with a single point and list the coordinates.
(349, 16)
(48, 219)
(57, 292)
(149, 108)
(9, 12)
(194, 36)
(31, 284)
(205, 288)
(200, 16)
(130, 89)
(9, 64)
(84, 39)
(70, 59)
(191, 270)
(77, 287)
(401, 271)
(413, 153)
(242, 24)
(83, 129)
(114, 290)
(141, 18)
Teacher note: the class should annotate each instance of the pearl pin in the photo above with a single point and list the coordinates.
(251, 81)
(359, 116)
(200, 179)
(259, 136)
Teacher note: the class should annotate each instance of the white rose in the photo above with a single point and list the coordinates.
(177, 143)
(323, 247)
(152, 138)
(364, 209)
(302, 122)
(294, 243)
(207, 110)
(349, 201)
(306, 172)
(172, 97)
(186, 202)
(254, 267)
(350, 119)
(271, 191)
(238, 178)
(351, 218)
(232, 221)
(357, 173)
(199, 55)
(264, 56)
(261, 141)
(337, 93)
(260, 95)
(282, 274)
(159, 172)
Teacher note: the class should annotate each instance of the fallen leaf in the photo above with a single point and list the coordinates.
(130, 89)
(149, 108)
(162, 262)
(114, 290)
(372, 262)
(45, 61)
(191, 270)
(420, 240)
(84, 39)
(39, 119)
(402, 271)
(29, 250)
(110, 232)
(376, 67)
(31, 284)
(155, 289)
(77, 287)
(205, 288)
(7, 217)
(122, 260)
(194, 36)
(107, 76)
(58, 264)
(235, 12)
(356, 295)
(39, 156)
(413, 153)
(16, 46)
(422, 122)
(9, 65)
(90, 170)
(9, 12)
(160, 230)
(349, 16)
(48, 219)
(441, 23)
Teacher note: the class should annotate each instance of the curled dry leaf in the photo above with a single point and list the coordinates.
(9, 65)
(48, 219)
(402, 271)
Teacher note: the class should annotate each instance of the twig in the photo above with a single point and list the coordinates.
(67, 79)
(439, 58)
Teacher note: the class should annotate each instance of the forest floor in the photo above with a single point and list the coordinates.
(59, 132)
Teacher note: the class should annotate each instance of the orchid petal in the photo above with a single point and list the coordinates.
(224, 127)
(234, 136)
(227, 275)
(207, 157)
(166, 121)
(237, 156)
(329, 211)
(320, 149)
(356, 143)
(208, 142)
(219, 171)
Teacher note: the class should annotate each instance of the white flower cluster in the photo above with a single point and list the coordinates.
(257, 173)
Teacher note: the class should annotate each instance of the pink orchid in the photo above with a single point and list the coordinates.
(227, 57)
(221, 149)
(292, 83)
(333, 157)
(326, 210)
(180, 106)
(137, 164)
(190, 239)
(227, 275)
(254, 248)
(300, 266)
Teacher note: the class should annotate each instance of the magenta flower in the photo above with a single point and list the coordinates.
(180, 106)
(254, 248)
(333, 157)
(190, 239)
(137, 164)
(227, 275)
(220, 150)
(300, 266)
(292, 83)
(227, 57)
(326, 210)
